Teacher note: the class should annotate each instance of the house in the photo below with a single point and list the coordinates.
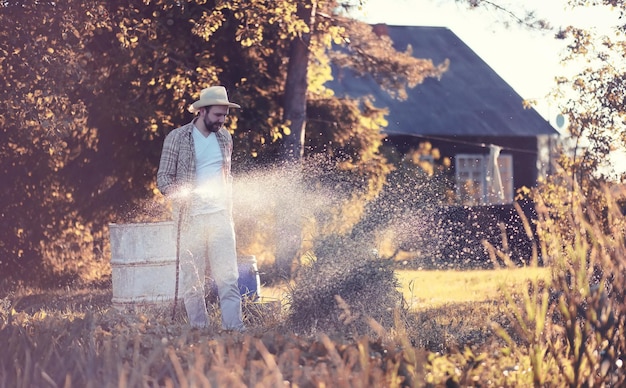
(495, 143)
(471, 115)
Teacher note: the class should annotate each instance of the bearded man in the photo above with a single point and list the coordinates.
(195, 173)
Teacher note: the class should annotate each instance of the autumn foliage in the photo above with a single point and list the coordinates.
(90, 89)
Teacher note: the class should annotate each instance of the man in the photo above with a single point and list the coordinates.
(195, 173)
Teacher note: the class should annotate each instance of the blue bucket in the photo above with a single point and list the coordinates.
(249, 280)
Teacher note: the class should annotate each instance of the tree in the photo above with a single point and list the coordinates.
(44, 125)
(296, 84)
(92, 87)
(594, 104)
(82, 108)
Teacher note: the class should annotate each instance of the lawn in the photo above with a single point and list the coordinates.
(431, 289)
(424, 289)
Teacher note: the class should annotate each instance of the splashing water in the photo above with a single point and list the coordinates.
(313, 219)
(284, 213)
(281, 210)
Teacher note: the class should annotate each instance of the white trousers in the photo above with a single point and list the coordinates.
(208, 243)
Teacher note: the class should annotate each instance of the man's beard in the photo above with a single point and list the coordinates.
(212, 126)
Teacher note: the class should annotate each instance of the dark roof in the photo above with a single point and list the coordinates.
(470, 99)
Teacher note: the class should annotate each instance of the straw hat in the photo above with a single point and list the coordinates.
(214, 95)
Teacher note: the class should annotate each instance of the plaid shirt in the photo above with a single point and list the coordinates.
(177, 168)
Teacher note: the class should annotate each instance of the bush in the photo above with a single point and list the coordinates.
(344, 286)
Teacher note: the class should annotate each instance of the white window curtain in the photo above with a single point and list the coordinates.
(484, 179)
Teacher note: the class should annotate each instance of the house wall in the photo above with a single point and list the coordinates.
(458, 232)
(523, 149)
(547, 154)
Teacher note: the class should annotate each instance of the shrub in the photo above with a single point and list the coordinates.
(344, 285)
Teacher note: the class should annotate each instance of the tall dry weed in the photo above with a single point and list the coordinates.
(568, 331)
(344, 285)
(573, 328)
(108, 349)
(589, 285)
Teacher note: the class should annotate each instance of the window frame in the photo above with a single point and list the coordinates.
(476, 192)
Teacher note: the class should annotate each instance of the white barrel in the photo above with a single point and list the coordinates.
(143, 263)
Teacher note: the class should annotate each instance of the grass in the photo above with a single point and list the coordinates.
(452, 314)
(424, 289)
(432, 289)
(558, 326)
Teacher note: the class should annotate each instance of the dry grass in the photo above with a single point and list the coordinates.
(53, 338)
(147, 349)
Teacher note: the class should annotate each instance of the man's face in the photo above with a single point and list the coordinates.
(214, 117)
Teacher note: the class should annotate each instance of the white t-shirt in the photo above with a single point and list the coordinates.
(210, 188)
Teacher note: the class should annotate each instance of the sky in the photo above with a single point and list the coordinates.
(527, 60)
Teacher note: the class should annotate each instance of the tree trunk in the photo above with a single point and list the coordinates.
(295, 98)
(288, 220)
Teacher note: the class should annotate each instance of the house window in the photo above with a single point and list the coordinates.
(477, 180)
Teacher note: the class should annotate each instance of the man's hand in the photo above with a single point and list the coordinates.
(181, 193)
